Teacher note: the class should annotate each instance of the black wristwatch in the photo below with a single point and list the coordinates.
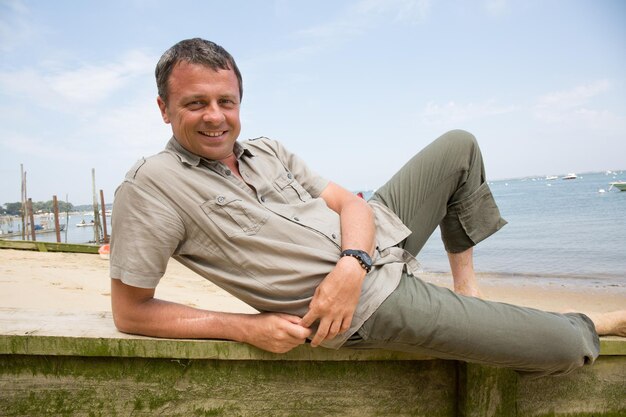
(361, 256)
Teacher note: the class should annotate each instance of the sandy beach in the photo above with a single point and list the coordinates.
(75, 283)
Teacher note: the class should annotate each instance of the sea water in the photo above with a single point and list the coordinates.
(72, 233)
(556, 228)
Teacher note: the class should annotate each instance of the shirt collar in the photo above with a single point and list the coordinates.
(192, 159)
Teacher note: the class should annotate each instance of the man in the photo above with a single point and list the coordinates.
(318, 262)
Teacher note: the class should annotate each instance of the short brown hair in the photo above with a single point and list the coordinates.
(194, 51)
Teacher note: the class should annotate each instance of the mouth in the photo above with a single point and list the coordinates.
(212, 134)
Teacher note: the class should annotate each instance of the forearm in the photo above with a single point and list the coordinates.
(357, 226)
(135, 310)
(159, 318)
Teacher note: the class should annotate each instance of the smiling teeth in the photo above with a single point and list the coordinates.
(212, 134)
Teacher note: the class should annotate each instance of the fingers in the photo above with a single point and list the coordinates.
(309, 318)
(328, 330)
(322, 332)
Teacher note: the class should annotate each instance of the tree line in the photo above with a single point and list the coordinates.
(15, 209)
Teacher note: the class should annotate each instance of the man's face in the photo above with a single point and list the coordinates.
(203, 109)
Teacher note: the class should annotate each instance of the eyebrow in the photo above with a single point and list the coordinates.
(233, 97)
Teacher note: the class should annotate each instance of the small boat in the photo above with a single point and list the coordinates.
(551, 177)
(82, 223)
(570, 176)
(620, 185)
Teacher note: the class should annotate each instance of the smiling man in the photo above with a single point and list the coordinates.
(203, 109)
(318, 262)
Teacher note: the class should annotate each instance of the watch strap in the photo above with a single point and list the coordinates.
(363, 257)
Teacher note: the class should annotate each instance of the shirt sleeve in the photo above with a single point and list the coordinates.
(308, 178)
(145, 233)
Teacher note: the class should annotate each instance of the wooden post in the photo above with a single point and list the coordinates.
(57, 227)
(23, 201)
(105, 237)
(67, 215)
(96, 216)
(31, 216)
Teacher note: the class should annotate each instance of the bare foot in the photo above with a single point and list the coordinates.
(610, 324)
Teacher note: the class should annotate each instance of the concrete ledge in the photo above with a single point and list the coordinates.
(79, 365)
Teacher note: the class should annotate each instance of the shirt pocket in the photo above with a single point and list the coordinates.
(233, 216)
(290, 189)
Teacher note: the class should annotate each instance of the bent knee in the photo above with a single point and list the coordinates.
(460, 139)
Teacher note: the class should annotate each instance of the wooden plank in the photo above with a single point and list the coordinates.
(48, 246)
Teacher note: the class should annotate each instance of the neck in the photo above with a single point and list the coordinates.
(232, 164)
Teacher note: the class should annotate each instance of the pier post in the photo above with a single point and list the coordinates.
(105, 237)
(31, 216)
(57, 227)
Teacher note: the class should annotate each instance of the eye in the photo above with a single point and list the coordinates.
(228, 103)
(195, 105)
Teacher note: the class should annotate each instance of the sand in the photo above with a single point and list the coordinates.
(75, 283)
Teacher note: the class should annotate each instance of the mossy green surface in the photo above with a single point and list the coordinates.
(57, 385)
(48, 246)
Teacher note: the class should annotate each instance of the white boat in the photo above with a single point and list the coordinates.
(551, 177)
(620, 185)
(84, 224)
(570, 176)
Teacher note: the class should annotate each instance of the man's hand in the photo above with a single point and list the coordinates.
(335, 300)
(276, 332)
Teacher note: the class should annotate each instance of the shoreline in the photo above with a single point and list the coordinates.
(74, 283)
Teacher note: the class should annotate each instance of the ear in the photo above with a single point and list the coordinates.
(163, 108)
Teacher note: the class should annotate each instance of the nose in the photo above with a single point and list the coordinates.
(213, 114)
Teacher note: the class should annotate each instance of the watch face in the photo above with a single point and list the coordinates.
(366, 258)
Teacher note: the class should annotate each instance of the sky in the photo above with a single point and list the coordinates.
(355, 88)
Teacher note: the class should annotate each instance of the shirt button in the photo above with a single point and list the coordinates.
(289, 175)
(227, 172)
(296, 219)
(334, 236)
(262, 199)
(221, 199)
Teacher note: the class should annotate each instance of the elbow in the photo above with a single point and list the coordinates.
(121, 320)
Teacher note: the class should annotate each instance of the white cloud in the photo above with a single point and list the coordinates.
(136, 128)
(575, 97)
(366, 14)
(453, 113)
(94, 83)
(66, 90)
(573, 108)
(22, 144)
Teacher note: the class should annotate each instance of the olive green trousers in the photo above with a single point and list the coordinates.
(444, 185)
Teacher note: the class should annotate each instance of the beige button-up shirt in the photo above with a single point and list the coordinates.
(269, 242)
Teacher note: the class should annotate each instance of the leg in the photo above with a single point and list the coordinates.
(462, 267)
(444, 185)
(424, 318)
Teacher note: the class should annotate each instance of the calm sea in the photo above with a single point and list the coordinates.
(71, 234)
(557, 228)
